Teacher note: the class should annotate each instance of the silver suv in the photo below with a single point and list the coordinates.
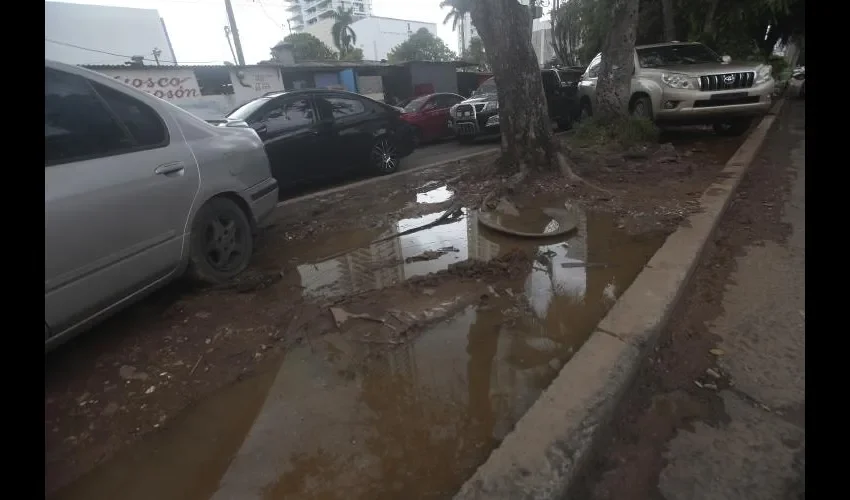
(687, 83)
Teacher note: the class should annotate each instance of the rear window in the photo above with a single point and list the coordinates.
(247, 109)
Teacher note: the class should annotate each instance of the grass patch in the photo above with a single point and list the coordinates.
(625, 132)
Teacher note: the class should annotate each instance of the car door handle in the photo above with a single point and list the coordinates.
(170, 168)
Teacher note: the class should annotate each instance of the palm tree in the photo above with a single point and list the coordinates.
(459, 8)
(343, 36)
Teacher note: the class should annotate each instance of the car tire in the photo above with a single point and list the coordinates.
(641, 108)
(732, 128)
(222, 242)
(384, 157)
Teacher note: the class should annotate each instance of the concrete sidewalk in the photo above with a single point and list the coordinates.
(718, 412)
(760, 452)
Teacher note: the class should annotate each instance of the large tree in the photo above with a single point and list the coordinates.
(342, 33)
(505, 30)
(306, 47)
(613, 88)
(421, 46)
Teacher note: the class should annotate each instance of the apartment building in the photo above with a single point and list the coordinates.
(305, 13)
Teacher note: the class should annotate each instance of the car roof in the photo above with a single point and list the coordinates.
(665, 44)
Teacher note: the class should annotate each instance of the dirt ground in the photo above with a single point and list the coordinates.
(132, 374)
(665, 398)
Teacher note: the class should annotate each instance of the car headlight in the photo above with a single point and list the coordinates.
(453, 111)
(491, 106)
(679, 81)
(763, 73)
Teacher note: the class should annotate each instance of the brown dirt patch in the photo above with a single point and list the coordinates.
(665, 397)
(132, 374)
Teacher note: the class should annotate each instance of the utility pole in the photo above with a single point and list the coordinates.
(156, 52)
(235, 32)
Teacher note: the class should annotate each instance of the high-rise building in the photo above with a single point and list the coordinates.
(304, 13)
(465, 32)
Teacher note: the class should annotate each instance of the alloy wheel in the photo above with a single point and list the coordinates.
(224, 243)
(384, 156)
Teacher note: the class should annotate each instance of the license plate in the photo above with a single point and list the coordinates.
(730, 95)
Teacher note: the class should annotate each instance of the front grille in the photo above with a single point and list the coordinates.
(464, 111)
(466, 128)
(727, 81)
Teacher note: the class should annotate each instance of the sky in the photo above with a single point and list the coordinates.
(196, 27)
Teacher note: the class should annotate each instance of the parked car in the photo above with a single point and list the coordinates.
(316, 134)
(478, 116)
(429, 115)
(136, 191)
(799, 75)
(688, 83)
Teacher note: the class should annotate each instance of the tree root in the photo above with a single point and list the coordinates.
(567, 171)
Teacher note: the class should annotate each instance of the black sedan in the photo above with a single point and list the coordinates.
(313, 135)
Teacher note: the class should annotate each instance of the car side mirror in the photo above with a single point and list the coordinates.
(726, 59)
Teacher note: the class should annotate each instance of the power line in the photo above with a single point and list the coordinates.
(123, 55)
(277, 25)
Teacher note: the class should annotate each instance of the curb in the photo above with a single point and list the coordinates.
(547, 450)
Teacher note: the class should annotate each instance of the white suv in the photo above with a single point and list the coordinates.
(688, 83)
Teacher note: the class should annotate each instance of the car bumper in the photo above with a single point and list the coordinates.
(478, 127)
(263, 198)
(708, 107)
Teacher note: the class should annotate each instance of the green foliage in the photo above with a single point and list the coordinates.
(306, 47)
(343, 35)
(475, 54)
(626, 131)
(353, 55)
(421, 46)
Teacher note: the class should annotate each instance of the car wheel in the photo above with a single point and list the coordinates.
(221, 243)
(732, 128)
(642, 108)
(384, 157)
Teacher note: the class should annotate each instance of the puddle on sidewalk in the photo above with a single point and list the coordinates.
(339, 419)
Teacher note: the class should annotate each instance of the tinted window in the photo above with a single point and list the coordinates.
(287, 114)
(488, 87)
(447, 101)
(245, 111)
(77, 124)
(668, 55)
(570, 76)
(144, 124)
(344, 106)
(414, 105)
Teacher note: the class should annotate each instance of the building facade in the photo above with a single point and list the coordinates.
(306, 13)
(376, 36)
(99, 34)
(541, 39)
(465, 32)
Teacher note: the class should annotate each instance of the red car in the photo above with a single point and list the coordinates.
(429, 116)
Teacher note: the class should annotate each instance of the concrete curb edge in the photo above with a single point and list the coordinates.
(550, 445)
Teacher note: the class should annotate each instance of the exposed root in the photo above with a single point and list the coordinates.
(567, 171)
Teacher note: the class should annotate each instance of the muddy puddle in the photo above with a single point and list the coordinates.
(341, 419)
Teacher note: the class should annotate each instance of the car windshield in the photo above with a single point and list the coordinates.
(671, 55)
(414, 105)
(488, 87)
(245, 110)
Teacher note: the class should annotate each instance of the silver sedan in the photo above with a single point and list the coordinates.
(136, 191)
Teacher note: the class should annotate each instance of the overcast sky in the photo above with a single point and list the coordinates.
(196, 27)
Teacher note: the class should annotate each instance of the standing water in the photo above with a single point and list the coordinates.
(409, 421)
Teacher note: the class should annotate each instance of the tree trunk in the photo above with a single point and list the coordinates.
(613, 88)
(708, 27)
(669, 17)
(504, 28)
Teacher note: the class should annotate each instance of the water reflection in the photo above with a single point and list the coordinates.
(438, 195)
(354, 421)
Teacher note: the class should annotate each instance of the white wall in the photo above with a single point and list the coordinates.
(376, 36)
(119, 30)
(179, 86)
